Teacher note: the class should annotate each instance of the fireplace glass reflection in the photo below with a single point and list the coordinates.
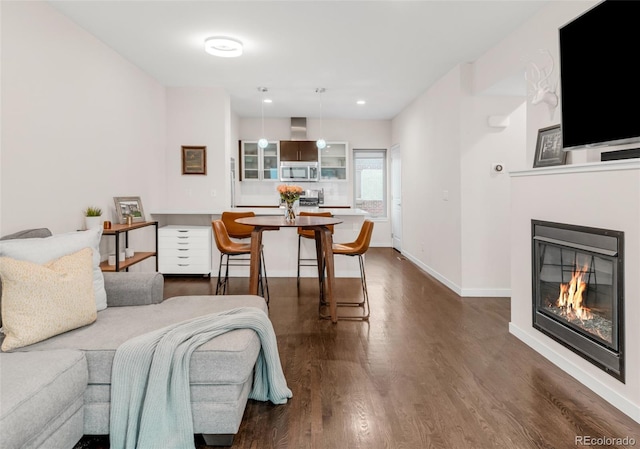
(578, 288)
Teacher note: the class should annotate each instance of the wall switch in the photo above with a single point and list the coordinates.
(445, 195)
(498, 168)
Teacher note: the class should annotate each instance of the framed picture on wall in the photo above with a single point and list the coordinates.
(194, 160)
(549, 148)
(129, 206)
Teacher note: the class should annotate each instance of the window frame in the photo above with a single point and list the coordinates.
(362, 154)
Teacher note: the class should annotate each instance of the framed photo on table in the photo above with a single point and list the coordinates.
(194, 160)
(549, 147)
(129, 206)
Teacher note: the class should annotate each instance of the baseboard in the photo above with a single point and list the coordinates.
(465, 292)
(442, 279)
(620, 402)
(486, 292)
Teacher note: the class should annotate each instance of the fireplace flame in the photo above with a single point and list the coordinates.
(570, 299)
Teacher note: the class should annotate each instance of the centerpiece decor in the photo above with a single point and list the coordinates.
(289, 194)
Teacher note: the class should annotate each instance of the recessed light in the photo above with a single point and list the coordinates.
(361, 102)
(223, 46)
(268, 100)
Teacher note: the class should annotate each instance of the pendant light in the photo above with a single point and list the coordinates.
(321, 143)
(263, 142)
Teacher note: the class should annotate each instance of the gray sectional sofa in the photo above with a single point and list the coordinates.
(55, 391)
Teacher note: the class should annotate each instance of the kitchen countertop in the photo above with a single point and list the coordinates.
(262, 211)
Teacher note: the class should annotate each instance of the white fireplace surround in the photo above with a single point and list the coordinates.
(600, 195)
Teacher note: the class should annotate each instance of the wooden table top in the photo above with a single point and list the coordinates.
(280, 222)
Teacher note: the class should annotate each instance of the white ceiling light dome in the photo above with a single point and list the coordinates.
(223, 46)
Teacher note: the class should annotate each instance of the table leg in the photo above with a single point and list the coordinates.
(327, 242)
(320, 260)
(254, 270)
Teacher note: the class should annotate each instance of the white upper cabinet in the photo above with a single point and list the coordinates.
(334, 162)
(258, 164)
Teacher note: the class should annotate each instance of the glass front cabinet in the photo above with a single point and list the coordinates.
(334, 162)
(259, 164)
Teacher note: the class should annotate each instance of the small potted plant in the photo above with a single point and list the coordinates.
(92, 217)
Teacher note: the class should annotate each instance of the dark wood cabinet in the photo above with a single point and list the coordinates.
(298, 150)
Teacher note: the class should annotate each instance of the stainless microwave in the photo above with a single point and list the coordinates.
(299, 171)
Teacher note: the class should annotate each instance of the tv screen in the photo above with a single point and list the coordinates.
(599, 79)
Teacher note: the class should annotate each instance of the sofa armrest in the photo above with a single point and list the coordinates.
(133, 289)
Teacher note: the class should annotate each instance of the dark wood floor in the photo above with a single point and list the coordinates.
(429, 370)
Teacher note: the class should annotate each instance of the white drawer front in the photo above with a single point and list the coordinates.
(202, 233)
(184, 268)
(169, 253)
(185, 242)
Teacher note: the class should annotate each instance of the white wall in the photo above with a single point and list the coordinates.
(197, 117)
(80, 124)
(510, 57)
(429, 132)
(485, 193)
(446, 145)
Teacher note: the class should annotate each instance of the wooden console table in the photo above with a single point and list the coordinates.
(118, 229)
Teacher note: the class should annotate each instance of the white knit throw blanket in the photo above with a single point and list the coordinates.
(150, 397)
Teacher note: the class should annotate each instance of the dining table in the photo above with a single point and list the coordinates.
(324, 249)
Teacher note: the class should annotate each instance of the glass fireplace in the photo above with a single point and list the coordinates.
(578, 290)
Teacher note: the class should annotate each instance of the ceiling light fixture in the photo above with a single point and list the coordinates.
(262, 143)
(223, 46)
(321, 143)
(361, 102)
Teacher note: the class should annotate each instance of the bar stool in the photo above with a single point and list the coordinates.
(234, 229)
(357, 248)
(309, 234)
(229, 248)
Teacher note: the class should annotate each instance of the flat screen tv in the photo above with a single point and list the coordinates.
(599, 77)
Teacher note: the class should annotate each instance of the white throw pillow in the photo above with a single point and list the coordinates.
(40, 301)
(43, 250)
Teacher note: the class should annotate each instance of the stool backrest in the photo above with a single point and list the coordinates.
(310, 233)
(223, 242)
(237, 230)
(361, 244)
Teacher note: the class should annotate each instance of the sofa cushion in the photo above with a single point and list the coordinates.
(28, 234)
(228, 358)
(40, 301)
(43, 250)
(39, 393)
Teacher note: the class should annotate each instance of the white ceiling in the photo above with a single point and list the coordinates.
(384, 52)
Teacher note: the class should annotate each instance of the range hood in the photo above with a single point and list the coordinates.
(298, 128)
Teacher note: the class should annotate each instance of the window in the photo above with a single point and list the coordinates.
(370, 181)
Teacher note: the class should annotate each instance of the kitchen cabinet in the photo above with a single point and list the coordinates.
(184, 249)
(298, 150)
(334, 162)
(116, 230)
(257, 163)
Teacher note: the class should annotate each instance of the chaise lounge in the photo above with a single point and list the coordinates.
(54, 391)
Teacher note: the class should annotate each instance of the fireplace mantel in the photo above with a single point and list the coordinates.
(590, 167)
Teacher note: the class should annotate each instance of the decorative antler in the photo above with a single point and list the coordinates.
(541, 91)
